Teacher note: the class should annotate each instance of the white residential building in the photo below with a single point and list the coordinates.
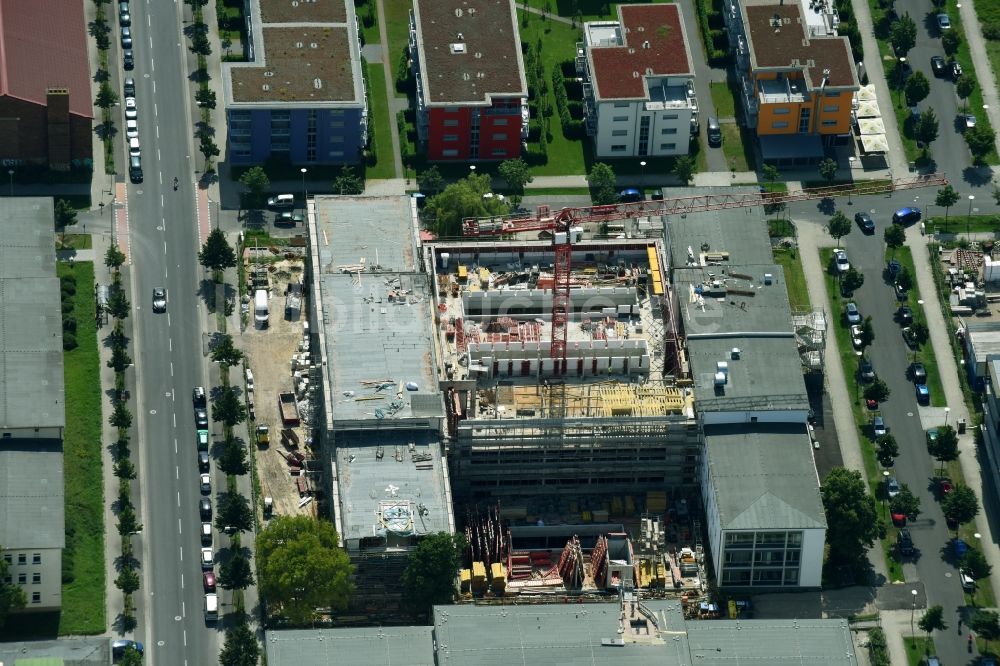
(638, 83)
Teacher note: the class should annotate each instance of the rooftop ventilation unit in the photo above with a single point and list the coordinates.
(735, 353)
(457, 48)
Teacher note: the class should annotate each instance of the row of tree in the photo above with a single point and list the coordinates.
(106, 95)
(197, 33)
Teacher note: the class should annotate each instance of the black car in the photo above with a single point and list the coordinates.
(129, 87)
(956, 70)
(205, 508)
(893, 267)
(905, 315)
(918, 373)
(119, 646)
(866, 370)
(200, 417)
(159, 300)
(128, 62)
(865, 222)
(900, 292)
(198, 397)
(938, 65)
(905, 542)
(203, 461)
(126, 37)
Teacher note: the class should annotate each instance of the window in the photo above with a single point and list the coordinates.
(668, 130)
(499, 121)
(36, 579)
(450, 122)
(499, 152)
(831, 94)
(832, 108)
(7, 558)
(449, 153)
(780, 124)
(450, 137)
(22, 558)
(618, 148)
(36, 558)
(668, 116)
(781, 111)
(619, 132)
(336, 153)
(36, 597)
(499, 136)
(336, 124)
(829, 123)
(281, 116)
(668, 146)
(620, 119)
(22, 578)
(621, 105)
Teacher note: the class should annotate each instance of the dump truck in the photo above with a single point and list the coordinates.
(263, 435)
(288, 409)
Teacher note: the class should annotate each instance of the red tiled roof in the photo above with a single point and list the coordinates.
(655, 45)
(780, 46)
(43, 44)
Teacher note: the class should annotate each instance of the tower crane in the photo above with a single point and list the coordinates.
(562, 225)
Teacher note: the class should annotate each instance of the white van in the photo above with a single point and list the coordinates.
(211, 607)
(281, 201)
(260, 314)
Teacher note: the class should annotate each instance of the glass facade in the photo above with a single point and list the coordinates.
(765, 559)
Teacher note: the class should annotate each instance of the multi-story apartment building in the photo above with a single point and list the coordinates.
(471, 90)
(796, 75)
(301, 98)
(638, 83)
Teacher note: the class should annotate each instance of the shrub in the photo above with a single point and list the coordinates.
(68, 290)
(67, 306)
(69, 325)
(575, 109)
(69, 342)
(992, 31)
(568, 68)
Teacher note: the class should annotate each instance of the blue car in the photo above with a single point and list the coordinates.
(923, 394)
(630, 195)
(906, 216)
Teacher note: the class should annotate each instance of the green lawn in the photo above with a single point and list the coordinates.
(382, 146)
(397, 31)
(369, 33)
(959, 223)
(83, 602)
(795, 279)
(965, 58)
(555, 191)
(917, 647)
(589, 10)
(733, 147)
(75, 241)
(722, 99)
(926, 353)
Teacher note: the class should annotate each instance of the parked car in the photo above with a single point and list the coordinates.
(288, 219)
(206, 534)
(856, 337)
(207, 558)
(968, 582)
(205, 508)
(131, 129)
(944, 23)
(899, 291)
(206, 484)
(129, 87)
(200, 418)
(945, 486)
(908, 215)
(204, 462)
(904, 542)
(893, 268)
(630, 195)
(866, 370)
(966, 121)
(119, 646)
(208, 580)
(956, 70)
(938, 65)
(198, 397)
(840, 259)
(878, 428)
(131, 110)
(905, 315)
(932, 436)
(892, 487)
(128, 61)
(865, 222)
(918, 373)
(853, 314)
(159, 300)
(714, 132)
(126, 37)
(923, 394)
(124, 17)
(898, 519)
(871, 404)
(908, 338)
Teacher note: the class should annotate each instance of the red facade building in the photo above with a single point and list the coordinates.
(471, 90)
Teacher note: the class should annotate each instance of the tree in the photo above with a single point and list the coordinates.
(685, 168)
(602, 183)
(225, 352)
(964, 87)
(974, 564)
(894, 236)
(904, 278)
(878, 391)
(944, 447)
(227, 408)
(240, 648)
(120, 360)
(236, 573)
(905, 502)
(917, 88)
(131, 657)
(200, 44)
(430, 181)
(12, 597)
(932, 620)
(208, 148)
(118, 305)
(233, 460)
(851, 516)
(120, 416)
(888, 450)
(348, 182)
(980, 141)
(205, 97)
(124, 468)
(867, 333)
(256, 182)
(431, 568)
(828, 170)
(918, 330)
(838, 226)
(946, 198)
(926, 128)
(770, 173)
(950, 41)
(462, 199)
(217, 254)
(986, 624)
(128, 523)
(960, 505)
(852, 280)
(517, 174)
(65, 216)
(128, 580)
(302, 567)
(234, 512)
(106, 96)
(903, 35)
(114, 258)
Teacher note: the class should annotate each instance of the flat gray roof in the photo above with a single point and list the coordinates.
(377, 471)
(770, 642)
(361, 646)
(68, 652)
(377, 320)
(31, 494)
(31, 354)
(731, 300)
(985, 339)
(739, 231)
(764, 477)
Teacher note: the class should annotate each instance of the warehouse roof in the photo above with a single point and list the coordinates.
(31, 494)
(31, 353)
(64, 652)
(738, 234)
(751, 490)
(469, 51)
(770, 642)
(361, 646)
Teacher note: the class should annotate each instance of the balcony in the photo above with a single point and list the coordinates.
(581, 60)
(782, 91)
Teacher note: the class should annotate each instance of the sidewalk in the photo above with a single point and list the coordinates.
(985, 73)
(101, 189)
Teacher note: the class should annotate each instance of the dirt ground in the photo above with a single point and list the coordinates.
(269, 352)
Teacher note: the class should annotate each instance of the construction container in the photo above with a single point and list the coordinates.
(498, 578)
(478, 577)
(465, 580)
(600, 516)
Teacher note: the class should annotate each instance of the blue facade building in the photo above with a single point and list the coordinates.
(301, 96)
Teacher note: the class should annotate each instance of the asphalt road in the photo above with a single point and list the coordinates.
(167, 348)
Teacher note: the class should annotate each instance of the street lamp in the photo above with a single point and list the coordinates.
(11, 173)
(642, 179)
(305, 194)
(900, 67)
(913, 609)
(947, 410)
(968, 218)
(885, 491)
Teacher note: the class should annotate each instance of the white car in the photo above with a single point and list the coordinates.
(843, 265)
(207, 558)
(856, 336)
(892, 487)
(131, 129)
(133, 147)
(206, 484)
(968, 582)
(131, 111)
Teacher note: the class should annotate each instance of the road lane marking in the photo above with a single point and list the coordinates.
(175, 444)
(164, 248)
(170, 344)
(184, 609)
(179, 526)
(157, 131)
(182, 581)
(171, 368)
(175, 419)
(185, 638)
(178, 498)
(177, 475)
(182, 554)
(168, 320)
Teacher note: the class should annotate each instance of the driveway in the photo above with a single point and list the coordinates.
(703, 75)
